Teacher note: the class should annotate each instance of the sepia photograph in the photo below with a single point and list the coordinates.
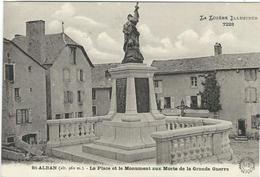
(113, 88)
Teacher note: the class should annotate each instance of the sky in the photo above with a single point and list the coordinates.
(167, 30)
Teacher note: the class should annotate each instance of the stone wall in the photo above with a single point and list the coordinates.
(232, 98)
(232, 95)
(59, 85)
(179, 86)
(32, 95)
(102, 101)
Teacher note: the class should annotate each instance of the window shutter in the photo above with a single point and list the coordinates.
(247, 95)
(78, 73)
(254, 73)
(83, 75)
(253, 95)
(162, 103)
(188, 101)
(18, 116)
(199, 100)
(82, 96)
(30, 115)
(172, 102)
(65, 97)
(71, 93)
(247, 75)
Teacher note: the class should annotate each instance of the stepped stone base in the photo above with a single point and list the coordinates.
(130, 135)
(119, 154)
(75, 153)
(127, 129)
(127, 141)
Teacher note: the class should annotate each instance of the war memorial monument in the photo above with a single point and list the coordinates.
(133, 114)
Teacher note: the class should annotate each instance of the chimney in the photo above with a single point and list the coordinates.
(35, 34)
(217, 49)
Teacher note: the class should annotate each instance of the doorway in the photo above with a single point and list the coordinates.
(241, 127)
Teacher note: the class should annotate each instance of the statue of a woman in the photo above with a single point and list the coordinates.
(131, 43)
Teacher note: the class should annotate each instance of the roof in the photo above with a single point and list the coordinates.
(210, 63)
(54, 45)
(11, 42)
(99, 79)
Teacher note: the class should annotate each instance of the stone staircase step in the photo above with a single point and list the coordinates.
(75, 153)
(119, 154)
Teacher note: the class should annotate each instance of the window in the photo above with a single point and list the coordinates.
(80, 114)
(156, 84)
(58, 116)
(73, 53)
(22, 116)
(10, 139)
(30, 138)
(81, 75)
(250, 95)
(93, 94)
(9, 72)
(194, 102)
(94, 110)
(167, 102)
(30, 68)
(255, 121)
(68, 97)
(30, 89)
(80, 97)
(68, 115)
(107, 74)
(250, 74)
(17, 96)
(17, 92)
(194, 81)
(66, 75)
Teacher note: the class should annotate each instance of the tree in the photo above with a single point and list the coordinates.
(211, 94)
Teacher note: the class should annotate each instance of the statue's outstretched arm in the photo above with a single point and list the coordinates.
(136, 14)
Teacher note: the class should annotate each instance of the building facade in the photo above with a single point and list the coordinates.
(238, 76)
(68, 75)
(24, 97)
(102, 87)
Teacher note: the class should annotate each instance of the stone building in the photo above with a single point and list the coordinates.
(102, 87)
(68, 75)
(24, 97)
(237, 74)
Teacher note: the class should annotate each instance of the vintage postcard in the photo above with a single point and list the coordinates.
(130, 89)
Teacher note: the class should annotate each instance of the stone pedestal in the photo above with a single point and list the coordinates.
(133, 116)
